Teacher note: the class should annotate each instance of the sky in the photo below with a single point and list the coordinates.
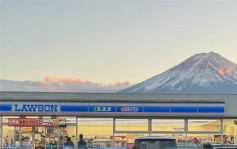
(107, 44)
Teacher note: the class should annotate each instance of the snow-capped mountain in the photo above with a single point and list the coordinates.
(205, 73)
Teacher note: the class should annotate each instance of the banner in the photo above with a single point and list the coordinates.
(36, 122)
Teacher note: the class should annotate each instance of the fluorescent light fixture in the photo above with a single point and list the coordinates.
(32, 117)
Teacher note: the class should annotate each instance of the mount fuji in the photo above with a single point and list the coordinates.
(205, 73)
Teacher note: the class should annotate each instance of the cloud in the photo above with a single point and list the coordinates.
(49, 79)
(119, 83)
(50, 84)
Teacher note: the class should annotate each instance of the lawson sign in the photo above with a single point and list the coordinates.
(36, 107)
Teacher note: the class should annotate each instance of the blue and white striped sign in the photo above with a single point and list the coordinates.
(115, 108)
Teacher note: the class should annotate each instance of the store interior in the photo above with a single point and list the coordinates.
(119, 132)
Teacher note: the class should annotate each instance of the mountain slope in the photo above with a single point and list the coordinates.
(205, 73)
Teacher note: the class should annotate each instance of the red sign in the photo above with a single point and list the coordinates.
(33, 122)
(130, 144)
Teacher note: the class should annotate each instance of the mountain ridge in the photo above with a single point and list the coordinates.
(204, 73)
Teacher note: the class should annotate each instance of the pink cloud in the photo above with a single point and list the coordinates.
(49, 79)
(53, 84)
(119, 83)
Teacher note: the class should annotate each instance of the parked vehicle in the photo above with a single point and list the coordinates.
(226, 147)
(154, 142)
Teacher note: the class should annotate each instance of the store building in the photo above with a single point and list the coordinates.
(114, 120)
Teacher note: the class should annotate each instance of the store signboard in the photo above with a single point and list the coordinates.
(58, 108)
(34, 107)
(119, 108)
(34, 122)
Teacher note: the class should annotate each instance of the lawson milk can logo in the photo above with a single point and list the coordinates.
(35, 107)
(102, 109)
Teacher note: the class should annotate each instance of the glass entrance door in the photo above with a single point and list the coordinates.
(42, 138)
(27, 141)
(33, 138)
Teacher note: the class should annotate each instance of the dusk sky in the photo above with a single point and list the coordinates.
(109, 42)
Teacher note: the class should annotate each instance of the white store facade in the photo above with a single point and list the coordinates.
(111, 120)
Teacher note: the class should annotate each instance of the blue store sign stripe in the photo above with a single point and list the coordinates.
(211, 109)
(141, 109)
(113, 108)
(184, 109)
(73, 108)
(5, 107)
(157, 109)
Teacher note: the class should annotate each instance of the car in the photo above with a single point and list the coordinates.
(229, 147)
(155, 142)
(225, 146)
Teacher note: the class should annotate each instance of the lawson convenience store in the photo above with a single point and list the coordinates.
(115, 120)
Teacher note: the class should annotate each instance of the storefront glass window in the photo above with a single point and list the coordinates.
(131, 124)
(10, 136)
(96, 132)
(122, 140)
(68, 132)
(204, 125)
(167, 125)
(230, 131)
(197, 140)
(99, 132)
(0, 132)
